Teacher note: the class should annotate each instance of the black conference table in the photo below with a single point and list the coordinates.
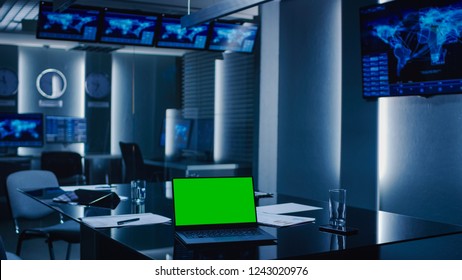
(376, 230)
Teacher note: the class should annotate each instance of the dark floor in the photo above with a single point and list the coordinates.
(32, 249)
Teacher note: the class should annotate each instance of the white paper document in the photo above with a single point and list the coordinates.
(281, 220)
(124, 220)
(101, 187)
(285, 208)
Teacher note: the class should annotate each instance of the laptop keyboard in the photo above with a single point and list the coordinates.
(221, 232)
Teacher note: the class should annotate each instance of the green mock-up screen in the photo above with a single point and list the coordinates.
(205, 201)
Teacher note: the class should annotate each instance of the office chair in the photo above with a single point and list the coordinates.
(67, 166)
(134, 166)
(26, 208)
(133, 162)
(4, 254)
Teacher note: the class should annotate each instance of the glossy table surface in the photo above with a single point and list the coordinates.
(306, 241)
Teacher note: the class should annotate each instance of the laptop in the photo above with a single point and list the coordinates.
(216, 210)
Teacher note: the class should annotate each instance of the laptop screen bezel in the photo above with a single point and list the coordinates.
(215, 225)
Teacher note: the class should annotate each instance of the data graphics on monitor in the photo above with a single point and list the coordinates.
(130, 29)
(72, 24)
(412, 49)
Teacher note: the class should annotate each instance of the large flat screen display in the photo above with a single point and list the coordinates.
(63, 129)
(233, 37)
(21, 130)
(412, 48)
(128, 28)
(172, 35)
(75, 23)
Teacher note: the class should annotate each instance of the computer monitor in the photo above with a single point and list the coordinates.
(182, 134)
(63, 129)
(201, 139)
(128, 28)
(76, 23)
(233, 37)
(411, 48)
(21, 130)
(173, 35)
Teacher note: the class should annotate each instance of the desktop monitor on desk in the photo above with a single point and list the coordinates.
(201, 140)
(21, 130)
(66, 130)
(193, 137)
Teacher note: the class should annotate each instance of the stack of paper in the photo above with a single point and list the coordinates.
(124, 220)
(271, 214)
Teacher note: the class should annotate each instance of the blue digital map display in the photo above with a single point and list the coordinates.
(412, 48)
(72, 24)
(174, 36)
(18, 130)
(129, 29)
(233, 37)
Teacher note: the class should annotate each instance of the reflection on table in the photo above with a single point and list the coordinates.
(304, 241)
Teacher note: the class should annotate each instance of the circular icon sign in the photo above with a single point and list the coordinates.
(51, 83)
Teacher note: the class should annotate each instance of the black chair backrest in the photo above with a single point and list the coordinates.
(2, 250)
(133, 161)
(62, 163)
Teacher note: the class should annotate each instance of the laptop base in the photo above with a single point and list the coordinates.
(262, 238)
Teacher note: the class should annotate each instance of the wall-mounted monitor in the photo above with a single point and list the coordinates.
(21, 130)
(65, 130)
(77, 23)
(233, 37)
(411, 48)
(172, 35)
(128, 28)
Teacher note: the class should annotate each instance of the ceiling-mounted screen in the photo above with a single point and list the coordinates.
(77, 23)
(412, 48)
(233, 37)
(172, 35)
(128, 28)
(21, 130)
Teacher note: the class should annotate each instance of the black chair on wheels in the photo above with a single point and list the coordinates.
(67, 166)
(4, 254)
(25, 208)
(134, 166)
(133, 162)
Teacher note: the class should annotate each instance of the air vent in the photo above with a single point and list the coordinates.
(95, 48)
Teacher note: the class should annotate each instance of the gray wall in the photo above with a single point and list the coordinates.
(32, 61)
(359, 117)
(156, 86)
(9, 60)
(420, 158)
(269, 92)
(138, 105)
(395, 154)
(98, 110)
(309, 98)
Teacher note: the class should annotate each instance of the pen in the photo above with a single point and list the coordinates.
(127, 221)
(105, 187)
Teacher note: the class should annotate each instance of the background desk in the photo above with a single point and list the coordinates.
(194, 168)
(377, 230)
